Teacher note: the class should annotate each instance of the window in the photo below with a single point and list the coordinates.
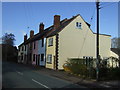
(88, 60)
(42, 57)
(49, 58)
(78, 25)
(21, 56)
(38, 56)
(30, 46)
(42, 42)
(19, 49)
(33, 57)
(22, 48)
(25, 47)
(50, 42)
(34, 45)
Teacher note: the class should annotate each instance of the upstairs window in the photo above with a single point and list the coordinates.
(19, 49)
(78, 25)
(25, 47)
(34, 45)
(31, 46)
(50, 42)
(42, 42)
(22, 48)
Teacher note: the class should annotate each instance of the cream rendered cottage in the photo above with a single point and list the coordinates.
(73, 38)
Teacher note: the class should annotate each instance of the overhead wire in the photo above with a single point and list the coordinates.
(91, 19)
(26, 17)
(83, 43)
(106, 5)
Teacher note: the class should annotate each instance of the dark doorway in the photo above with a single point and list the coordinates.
(37, 59)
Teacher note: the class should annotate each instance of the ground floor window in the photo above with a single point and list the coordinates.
(21, 56)
(88, 60)
(49, 58)
(33, 57)
(38, 56)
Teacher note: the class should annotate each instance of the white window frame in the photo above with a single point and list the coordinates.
(50, 42)
(79, 25)
(49, 58)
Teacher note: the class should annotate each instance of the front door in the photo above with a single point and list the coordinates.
(38, 59)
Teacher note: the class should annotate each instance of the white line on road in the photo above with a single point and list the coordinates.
(19, 73)
(105, 85)
(41, 84)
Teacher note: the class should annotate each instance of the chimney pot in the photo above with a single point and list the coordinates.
(25, 37)
(31, 33)
(41, 27)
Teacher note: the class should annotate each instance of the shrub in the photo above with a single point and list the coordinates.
(76, 66)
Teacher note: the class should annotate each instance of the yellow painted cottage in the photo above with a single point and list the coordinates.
(73, 38)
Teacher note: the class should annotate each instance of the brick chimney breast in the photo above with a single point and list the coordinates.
(56, 21)
(41, 27)
(31, 33)
(25, 37)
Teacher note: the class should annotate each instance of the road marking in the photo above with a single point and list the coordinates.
(105, 85)
(19, 73)
(41, 84)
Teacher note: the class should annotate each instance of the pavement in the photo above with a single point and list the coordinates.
(62, 79)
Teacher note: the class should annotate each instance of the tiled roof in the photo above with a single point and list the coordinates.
(62, 25)
(116, 50)
(39, 36)
(48, 32)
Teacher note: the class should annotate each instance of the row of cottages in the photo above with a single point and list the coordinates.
(69, 38)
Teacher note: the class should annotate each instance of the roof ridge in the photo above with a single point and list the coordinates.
(50, 28)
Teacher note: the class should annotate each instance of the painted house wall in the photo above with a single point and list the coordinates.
(50, 50)
(34, 51)
(41, 50)
(29, 54)
(21, 54)
(105, 45)
(74, 42)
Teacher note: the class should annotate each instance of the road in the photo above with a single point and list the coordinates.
(19, 76)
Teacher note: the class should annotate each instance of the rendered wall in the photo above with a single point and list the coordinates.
(50, 50)
(76, 43)
(41, 50)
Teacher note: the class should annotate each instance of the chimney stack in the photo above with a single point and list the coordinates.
(56, 21)
(31, 33)
(41, 27)
(25, 37)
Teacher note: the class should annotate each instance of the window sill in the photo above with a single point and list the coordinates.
(50, 45)
(49, 63)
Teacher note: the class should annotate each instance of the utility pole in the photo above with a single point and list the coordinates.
(97, 42)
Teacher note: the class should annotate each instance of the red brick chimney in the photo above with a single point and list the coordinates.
(56, 21)
(31, 33)
(25, 37)
(41, 27)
